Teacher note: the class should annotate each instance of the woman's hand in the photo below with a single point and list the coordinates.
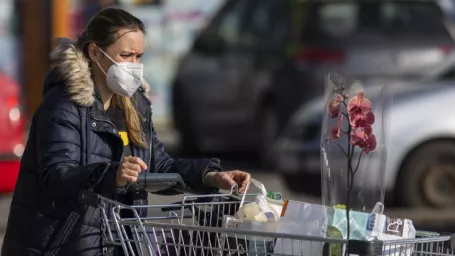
(129, 170)
(225, 180)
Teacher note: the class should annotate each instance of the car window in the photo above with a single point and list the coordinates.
(338, 19)
(249, 23)
(232, 23)
(346, 20)
(417, 18)
(244, 24)
(268, 23)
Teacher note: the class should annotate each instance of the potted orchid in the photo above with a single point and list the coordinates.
(352, 148)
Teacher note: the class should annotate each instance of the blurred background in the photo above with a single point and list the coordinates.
(243, 80)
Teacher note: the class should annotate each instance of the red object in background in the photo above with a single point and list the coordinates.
(320, 55)
(8, 171)
(12, 133)
(12, 122)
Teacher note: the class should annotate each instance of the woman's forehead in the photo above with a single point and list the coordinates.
(129, 40)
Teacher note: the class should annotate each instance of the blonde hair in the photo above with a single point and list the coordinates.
(132, 120)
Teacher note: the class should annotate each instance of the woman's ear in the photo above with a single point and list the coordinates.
(93, 52)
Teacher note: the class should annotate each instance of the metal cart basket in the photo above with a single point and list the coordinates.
(195, 226)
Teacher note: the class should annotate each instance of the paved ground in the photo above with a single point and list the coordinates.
(4, 209)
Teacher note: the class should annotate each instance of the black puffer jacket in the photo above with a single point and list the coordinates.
(73, 145)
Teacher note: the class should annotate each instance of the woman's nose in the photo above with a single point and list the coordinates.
(136, 59)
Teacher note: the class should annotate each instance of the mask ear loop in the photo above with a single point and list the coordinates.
(97, 63)
(107, 55)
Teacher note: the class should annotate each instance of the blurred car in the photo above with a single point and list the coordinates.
(259, 60)
(12, 133)
(420, 166)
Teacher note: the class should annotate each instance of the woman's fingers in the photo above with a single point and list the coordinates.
(226, 181)
(129, 169)
(241, 178)
(131, 166)
(136, 160)
(245, 180)
(130, 175)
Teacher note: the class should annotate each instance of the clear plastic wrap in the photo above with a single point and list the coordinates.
(353, 148)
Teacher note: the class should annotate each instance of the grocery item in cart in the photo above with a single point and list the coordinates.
(368, 226)
(301, 219)
(318, 220)
(260, 215)
(371, 226)
(263, 209)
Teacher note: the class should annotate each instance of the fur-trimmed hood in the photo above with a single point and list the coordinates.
(72, 69)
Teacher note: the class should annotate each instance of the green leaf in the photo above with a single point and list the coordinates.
(340, 206)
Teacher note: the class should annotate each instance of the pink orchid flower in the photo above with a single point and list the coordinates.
(335, 106)
(364, 139)
(336, 129)
(359, 111)
(359, 104)
(360, 120)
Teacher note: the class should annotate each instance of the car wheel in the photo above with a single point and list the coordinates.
(427, 178)
(268, 132)
(182, 119)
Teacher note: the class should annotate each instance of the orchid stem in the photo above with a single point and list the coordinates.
(349, 179)
(342, 150)
(358, 162)
(349, 187)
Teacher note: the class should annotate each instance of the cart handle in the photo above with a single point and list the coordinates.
(152, 182)
(149, 182)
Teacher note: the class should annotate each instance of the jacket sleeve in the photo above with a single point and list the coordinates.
(58, 138)
(191, 170)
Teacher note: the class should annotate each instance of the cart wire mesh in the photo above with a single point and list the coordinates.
(196, 226)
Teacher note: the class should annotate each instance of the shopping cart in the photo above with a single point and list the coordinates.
(195, 226)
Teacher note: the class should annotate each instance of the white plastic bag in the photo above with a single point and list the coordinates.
(260, 215)
(263, 209)
(302, 219)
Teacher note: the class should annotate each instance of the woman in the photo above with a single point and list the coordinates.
(93, 130)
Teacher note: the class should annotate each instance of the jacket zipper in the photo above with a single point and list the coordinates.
(103, 245)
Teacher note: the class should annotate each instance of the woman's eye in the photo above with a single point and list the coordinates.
(131, 57)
